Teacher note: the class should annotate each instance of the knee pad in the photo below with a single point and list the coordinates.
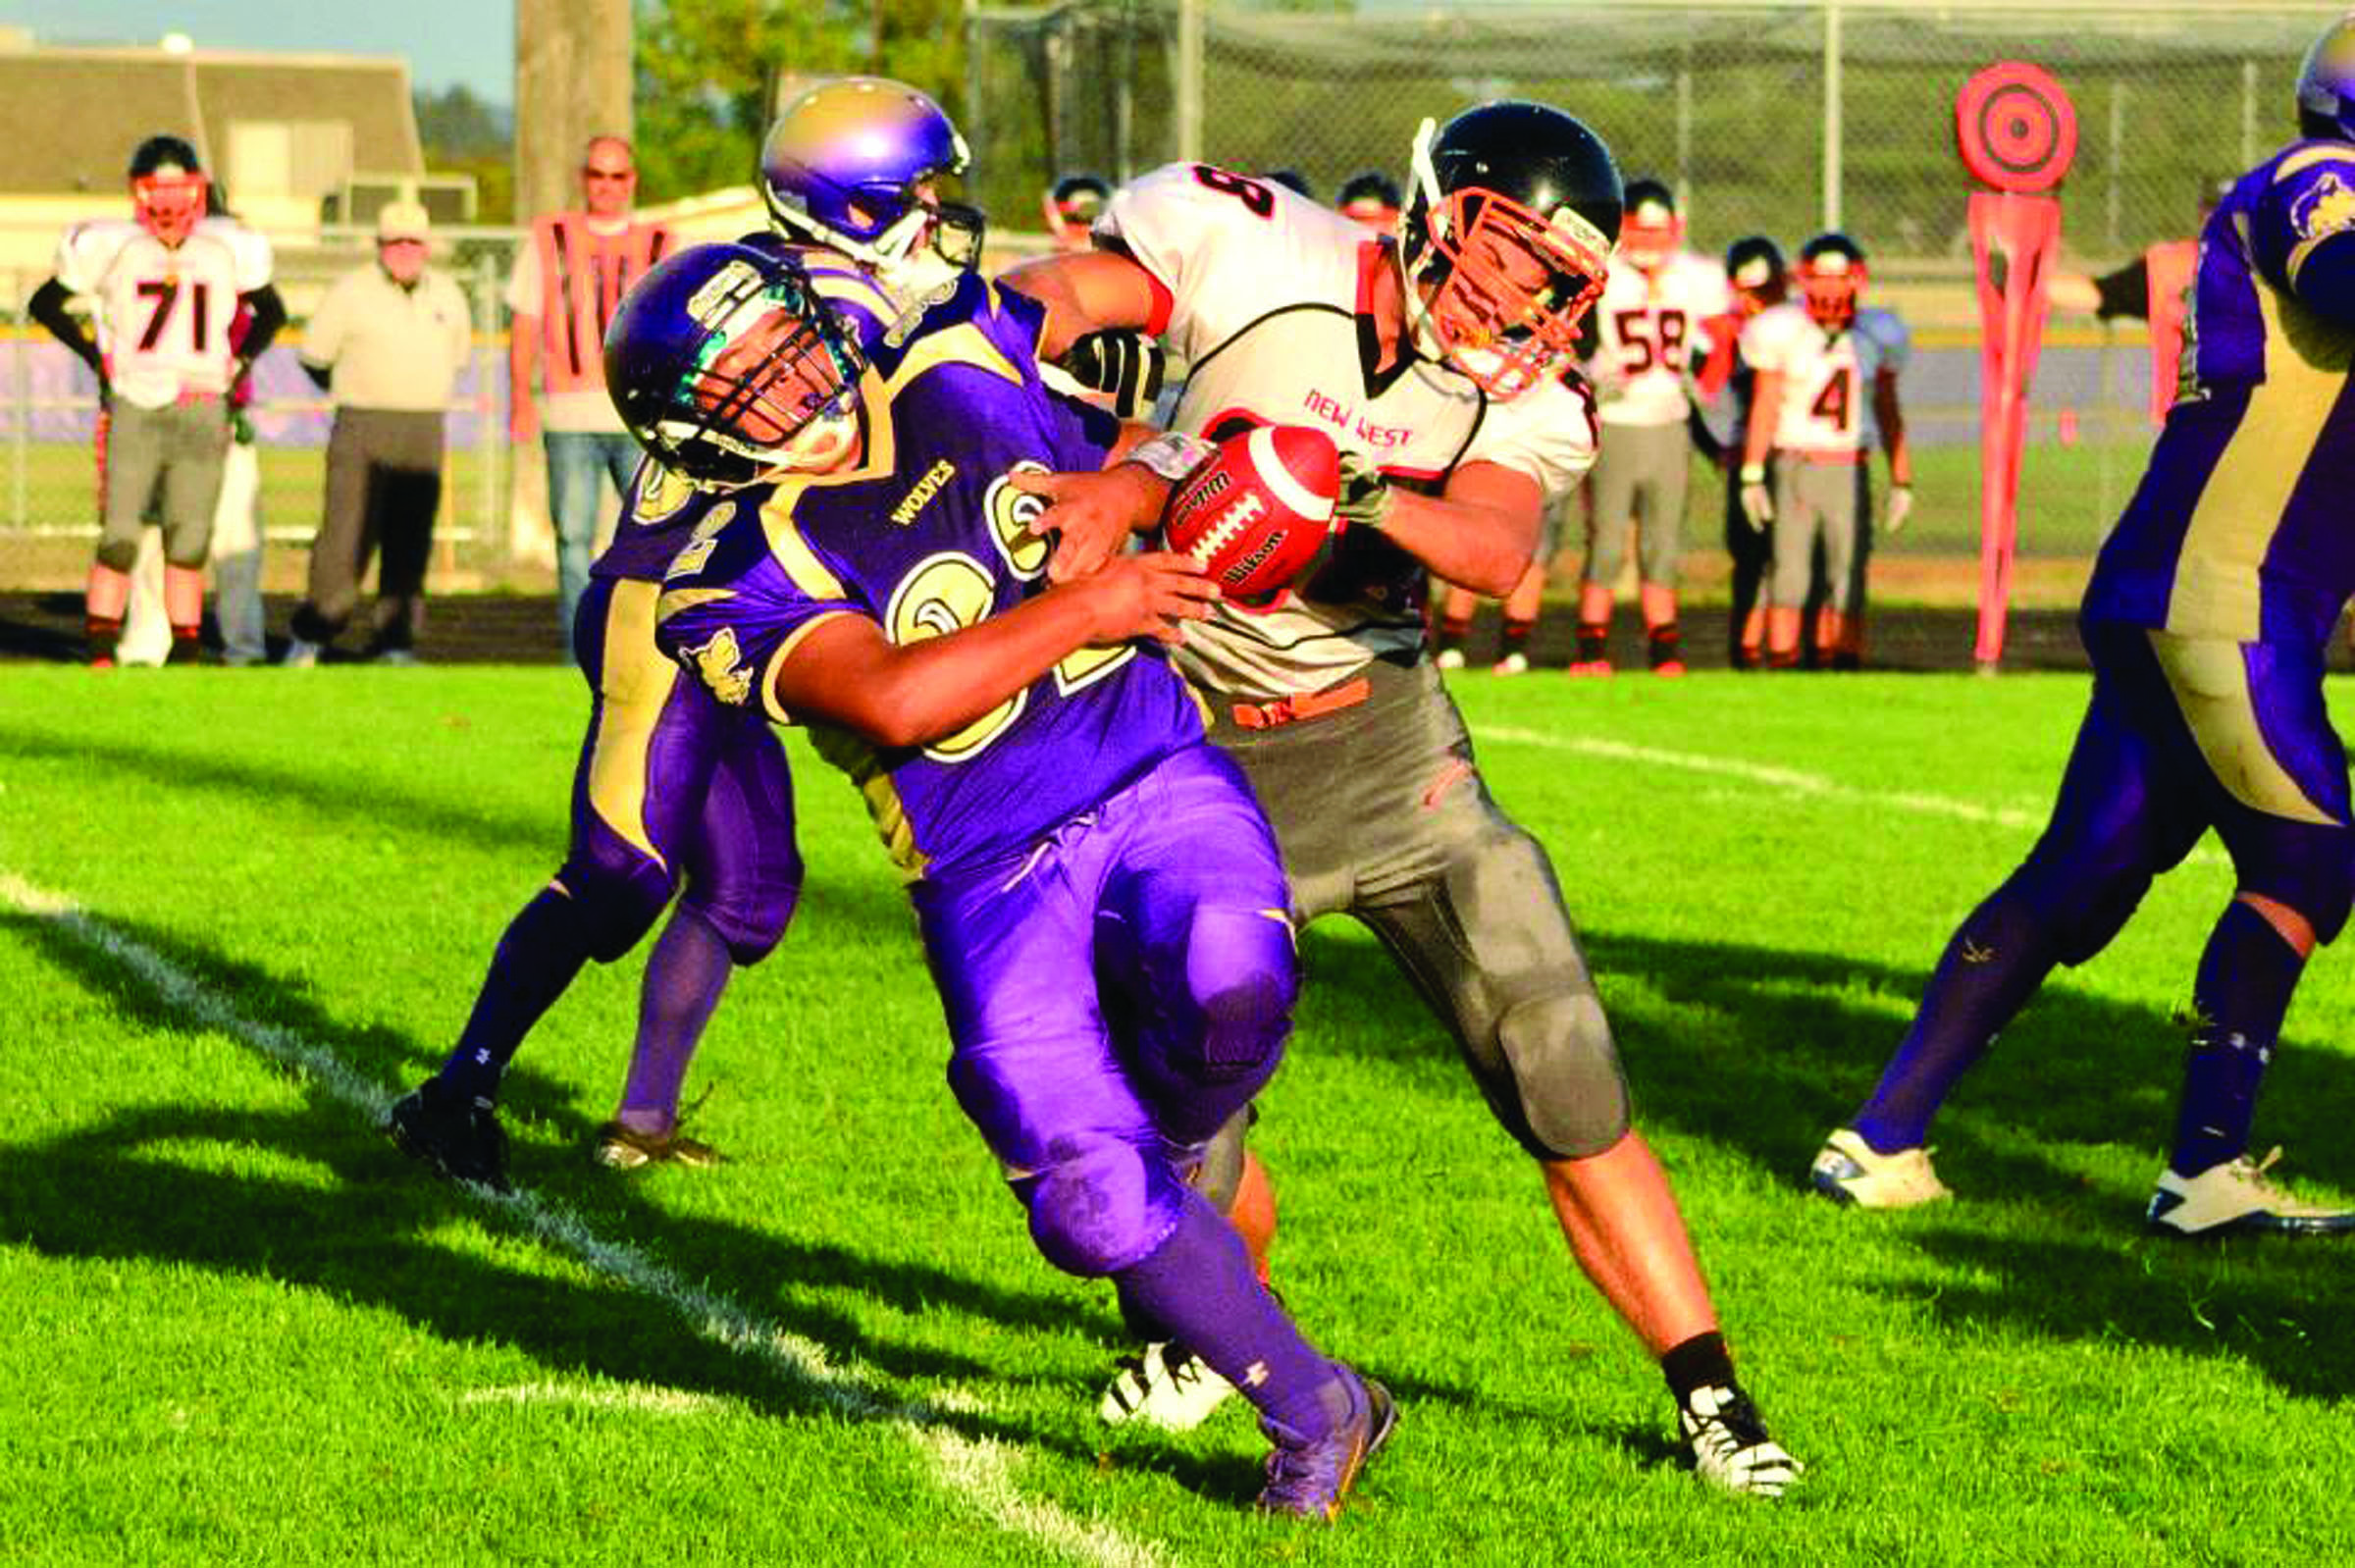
(1242, 973)
(1566, 1098)
(1100, 1206)
(751, 916)
(619, 900)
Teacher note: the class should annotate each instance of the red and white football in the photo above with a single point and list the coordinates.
(1255, 514)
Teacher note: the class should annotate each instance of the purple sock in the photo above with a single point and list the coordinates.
(543, 947)
(2246, 976)
(1200, 1283)
(689, 970)
(1995, 963)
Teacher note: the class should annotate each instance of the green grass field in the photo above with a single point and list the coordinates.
(243, 909)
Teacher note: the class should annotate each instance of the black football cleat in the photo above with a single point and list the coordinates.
(461, 1139)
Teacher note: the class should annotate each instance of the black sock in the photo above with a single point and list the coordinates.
(1452, 631)
(1666, 642)
(543, 947)
(1700, 1362)
(1593, 641)
(1516, 634)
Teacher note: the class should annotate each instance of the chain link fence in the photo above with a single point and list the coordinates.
(1779, 119)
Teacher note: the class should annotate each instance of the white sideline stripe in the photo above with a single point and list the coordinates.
(1790, 782)
(981, 1473)
(634, 1396)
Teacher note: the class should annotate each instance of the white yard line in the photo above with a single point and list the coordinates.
(1791, 784)
(979, 1473)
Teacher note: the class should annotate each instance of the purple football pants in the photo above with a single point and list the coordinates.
(672, 786)
(1115, 992)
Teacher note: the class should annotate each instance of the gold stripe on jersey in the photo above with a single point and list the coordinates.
(2216, 591)
(791, 551)
(675, 599)
(784, 651)
(2297, 163)
(863, 765)
(2211, 682)
(635, 680)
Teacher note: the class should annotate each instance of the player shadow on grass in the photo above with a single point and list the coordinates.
(127, 1187)
(1764, 1051)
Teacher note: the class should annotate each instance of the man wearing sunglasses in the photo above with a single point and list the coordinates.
(569, 278)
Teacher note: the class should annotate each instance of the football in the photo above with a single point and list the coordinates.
(1256, 513)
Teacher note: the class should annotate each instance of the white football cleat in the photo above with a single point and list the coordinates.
(1848, 1171)
(1729, 1445)
(1515, 663)
(300, 654)
(2235, 1196)
(1163, 1385)
(1450, 658)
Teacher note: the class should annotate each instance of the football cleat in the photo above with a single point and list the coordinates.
(620, 1148)
(1163, 1386)
(1515, 663)
(2236, 1196)
(300, 653)
(1729, 1445)
(1312, 1480)
(1588, 666)
(1848, 1171)
(459, 1138)
(1450, 658)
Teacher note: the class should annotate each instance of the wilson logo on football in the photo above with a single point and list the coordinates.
(1256, 514)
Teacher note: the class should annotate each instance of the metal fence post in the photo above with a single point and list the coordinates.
(1832, 128)
(20, 358)
(491, 437)
(1189, 81)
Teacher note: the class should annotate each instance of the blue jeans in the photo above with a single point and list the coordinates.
(575, 458)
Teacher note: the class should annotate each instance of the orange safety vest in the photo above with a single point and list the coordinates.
(2169, 269)
(583, 276)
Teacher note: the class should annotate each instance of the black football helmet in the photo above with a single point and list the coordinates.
(1072, 205)
(1831, 274)
(726, 363)
(1653, 228)
(1506, 239)
(1372, 197)
(1759, 274)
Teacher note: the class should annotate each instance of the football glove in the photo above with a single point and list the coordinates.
(1900, 507)
(1126, 365)
(1365, 500)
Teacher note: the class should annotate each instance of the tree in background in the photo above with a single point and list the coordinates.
(462, 135)
(709, 71)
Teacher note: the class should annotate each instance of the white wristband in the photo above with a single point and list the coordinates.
(1753, 473)
(1172, 455)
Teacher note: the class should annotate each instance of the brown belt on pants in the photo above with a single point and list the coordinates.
(1305, 705)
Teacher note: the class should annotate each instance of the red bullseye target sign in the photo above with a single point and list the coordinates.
(2016, 128)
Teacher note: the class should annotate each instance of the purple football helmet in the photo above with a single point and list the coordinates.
(2326, 83)
(852, 166)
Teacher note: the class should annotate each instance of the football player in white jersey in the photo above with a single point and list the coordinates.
(1659, 294)
(1440, 362)
(1826, 391)
(164, 286)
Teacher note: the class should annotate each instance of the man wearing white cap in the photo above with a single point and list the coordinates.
(387, 342)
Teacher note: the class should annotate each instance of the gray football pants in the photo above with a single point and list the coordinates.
(1382, 816)
(172, 454)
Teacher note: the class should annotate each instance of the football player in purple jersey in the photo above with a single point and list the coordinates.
(1100, 898)
(673, 791)
(2207, 618)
